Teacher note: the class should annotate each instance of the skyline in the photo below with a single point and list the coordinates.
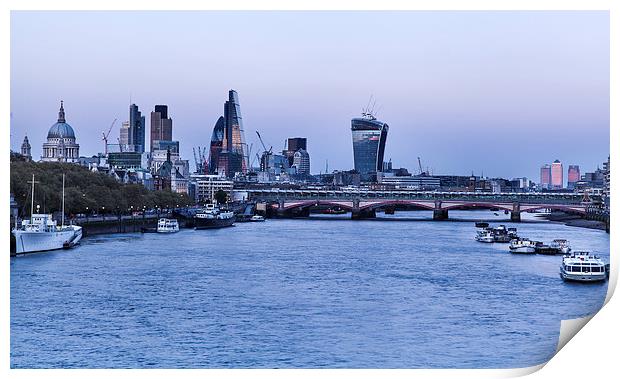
(439, 96)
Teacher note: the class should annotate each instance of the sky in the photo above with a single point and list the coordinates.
(497, 93)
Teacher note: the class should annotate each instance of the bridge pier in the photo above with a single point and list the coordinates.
(515, 215)
(440, 214)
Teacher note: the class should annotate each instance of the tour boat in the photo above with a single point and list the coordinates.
(522, 246)
(582, 267)
(211, 217)
(500, 234)
(485, 236)
(167, 225)
(41, 233)
(257, 218)
(542, 248)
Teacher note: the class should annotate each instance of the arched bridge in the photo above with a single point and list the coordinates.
(363, 204)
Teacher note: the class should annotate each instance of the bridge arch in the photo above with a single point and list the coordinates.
(421, 204)
(481, 205)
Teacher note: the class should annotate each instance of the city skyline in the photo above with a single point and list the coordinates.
(546, 101)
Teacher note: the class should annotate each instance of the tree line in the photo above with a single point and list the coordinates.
(85, 191)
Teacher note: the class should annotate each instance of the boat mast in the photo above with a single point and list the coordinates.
(32, 199)
(62, 222)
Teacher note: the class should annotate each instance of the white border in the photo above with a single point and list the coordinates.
(596, 343)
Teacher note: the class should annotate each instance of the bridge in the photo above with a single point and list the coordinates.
(364, 203)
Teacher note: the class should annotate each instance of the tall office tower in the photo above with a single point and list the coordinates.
(557, 175)
(545, 176)
(301, 161)
(293, 145)
(123, 139)
(137, 129)
(26, 149)
(573, 176)
(161, 125)
(369, 137)
(227, 154)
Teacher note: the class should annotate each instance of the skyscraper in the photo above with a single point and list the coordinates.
(123, 139)
(573, 176)
(369, 137)
(230, 154)
(161, 125)
(557, 175)
(137, 129)
(293, 145)
(301, 161)
(545, 176)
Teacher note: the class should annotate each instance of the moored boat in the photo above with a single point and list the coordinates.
(167, 225)
(543, 248)
(561, 244)
(522, 246)
(583, 267)
(211, 217)
(41, 232)
(485, 236)
(257, 218)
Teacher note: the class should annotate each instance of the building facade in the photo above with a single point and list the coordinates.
(545, 176)
(137, 129)
(369, 138)
(292, 146)
(61, 144)
(161, 125)
(573, 176)
(557, 175)
(205, 186)
(123, 136)
(228, 150)
(301, 162)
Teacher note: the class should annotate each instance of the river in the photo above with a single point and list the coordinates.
(290, 293)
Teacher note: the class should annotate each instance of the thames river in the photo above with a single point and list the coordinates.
(300, 293)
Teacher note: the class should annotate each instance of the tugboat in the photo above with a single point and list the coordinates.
(583, 267)
(41, 233)
(522, 246)
(211, 217)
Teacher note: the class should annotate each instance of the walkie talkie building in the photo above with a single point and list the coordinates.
(369, 136)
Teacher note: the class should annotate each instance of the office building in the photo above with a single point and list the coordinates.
(137, 129)
(573, 176)
(301, 162)
(161, 125)
(557, 175)
(369, 138)
(545, 176)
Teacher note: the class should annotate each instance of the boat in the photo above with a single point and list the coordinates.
(481, 224)
(542, 248)
(41, 232)
(500, 234)
(167, 225)
(338, 211)
(211, 217)
(562, 244)
(583, 267)
(257, 218)
(522, 246)
(485, 236)
(512, 232)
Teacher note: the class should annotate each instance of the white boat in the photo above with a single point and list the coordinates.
(257, 218)
(582, 267)
(167, 225)
(41, 233)
(561, 244)
(485, 236)
(522, 246)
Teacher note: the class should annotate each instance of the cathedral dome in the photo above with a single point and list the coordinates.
(61, 129)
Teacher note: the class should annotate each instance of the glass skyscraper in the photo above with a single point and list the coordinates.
(228, 148)
(369, 137)
(137, 129)
(161, 125)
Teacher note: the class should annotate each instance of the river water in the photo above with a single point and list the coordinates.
(299, 293)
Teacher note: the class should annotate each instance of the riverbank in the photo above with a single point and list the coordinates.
(573, 220)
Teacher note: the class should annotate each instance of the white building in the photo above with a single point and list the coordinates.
(208, 185)
(61, 145)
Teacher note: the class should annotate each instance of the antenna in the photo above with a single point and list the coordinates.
(62, 216)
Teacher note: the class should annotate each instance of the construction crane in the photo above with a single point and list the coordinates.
(105, 137)
(120, 145)
(201, 160)
(261, 141)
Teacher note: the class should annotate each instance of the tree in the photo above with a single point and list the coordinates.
(221, 197)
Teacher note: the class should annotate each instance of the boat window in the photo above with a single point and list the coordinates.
(575, 269)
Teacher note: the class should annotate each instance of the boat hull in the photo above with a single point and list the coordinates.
(523, 250)
(212, 223)
(583, 277)
(32, 242)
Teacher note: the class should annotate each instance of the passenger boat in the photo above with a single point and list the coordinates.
(485, 236)
(257, 218)
(41, 233)
(582, 267)
(211, 217)
(167, 225)
(500, 234)
(482, 224)
(522, 246)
